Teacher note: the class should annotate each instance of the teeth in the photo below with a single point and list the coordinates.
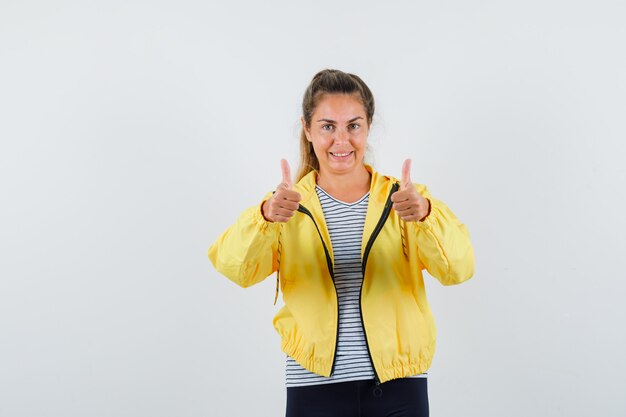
(341, 154)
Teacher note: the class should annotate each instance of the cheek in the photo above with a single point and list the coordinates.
(360, 142)
(321, 142)
(318, 150)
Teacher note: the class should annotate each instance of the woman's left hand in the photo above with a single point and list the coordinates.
(407, 202)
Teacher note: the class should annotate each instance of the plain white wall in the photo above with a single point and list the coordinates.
(134, 132)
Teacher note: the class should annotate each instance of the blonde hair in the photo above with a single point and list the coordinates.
(328, 81)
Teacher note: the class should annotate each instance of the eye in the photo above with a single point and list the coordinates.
(354, 126)
(327, 127)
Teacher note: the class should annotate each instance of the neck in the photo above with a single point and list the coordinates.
(355, 181)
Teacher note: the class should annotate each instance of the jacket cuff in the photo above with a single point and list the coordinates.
(258, 217)
(430, 219)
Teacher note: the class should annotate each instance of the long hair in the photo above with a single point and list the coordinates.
(328, 81)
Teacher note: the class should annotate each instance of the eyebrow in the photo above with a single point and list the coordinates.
(332, 121)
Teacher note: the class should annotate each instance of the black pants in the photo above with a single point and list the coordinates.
(405, 397)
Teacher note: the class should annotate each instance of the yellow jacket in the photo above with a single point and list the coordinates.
(398, 324)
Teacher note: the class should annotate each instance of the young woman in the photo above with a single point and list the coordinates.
(348, 246)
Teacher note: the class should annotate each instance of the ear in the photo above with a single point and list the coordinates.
(306, 131)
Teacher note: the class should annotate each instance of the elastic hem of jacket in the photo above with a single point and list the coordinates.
(402, 371)
(315, 365)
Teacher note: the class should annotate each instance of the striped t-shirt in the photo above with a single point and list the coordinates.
(345, 222)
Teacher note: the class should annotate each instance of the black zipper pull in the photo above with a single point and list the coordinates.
(378, 391)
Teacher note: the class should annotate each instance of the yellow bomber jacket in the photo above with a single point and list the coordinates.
(397, 320)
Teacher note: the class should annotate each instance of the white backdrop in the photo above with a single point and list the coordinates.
(134, 132)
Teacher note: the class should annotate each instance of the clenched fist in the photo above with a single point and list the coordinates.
(284, 203)
(407, 202)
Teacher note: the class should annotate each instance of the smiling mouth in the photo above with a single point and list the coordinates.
(341, 155)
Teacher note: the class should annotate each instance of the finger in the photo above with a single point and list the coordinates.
(410, 215)
(290, 195)
(401, 207)
(402, 195)
(411, 218)
(284, 166)
(287, 205)
(282, 215)
(406, 173)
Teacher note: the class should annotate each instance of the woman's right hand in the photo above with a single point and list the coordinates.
(284, 202)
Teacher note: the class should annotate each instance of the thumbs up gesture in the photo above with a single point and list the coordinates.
(283, 204)
(407, 202)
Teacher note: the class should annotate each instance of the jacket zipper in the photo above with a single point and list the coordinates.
(368, 247)
(329, 262)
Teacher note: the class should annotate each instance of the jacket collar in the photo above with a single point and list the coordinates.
(380, 185)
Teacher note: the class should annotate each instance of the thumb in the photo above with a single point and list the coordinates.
(284, 166)
(406, 174)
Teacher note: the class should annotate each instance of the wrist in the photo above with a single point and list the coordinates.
(264, 209)
(428, 212)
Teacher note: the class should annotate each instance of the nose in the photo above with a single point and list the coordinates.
(342, 136)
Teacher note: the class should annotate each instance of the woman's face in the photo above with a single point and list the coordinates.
(338, 133)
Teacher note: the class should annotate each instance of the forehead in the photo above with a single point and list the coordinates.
(339, 107)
